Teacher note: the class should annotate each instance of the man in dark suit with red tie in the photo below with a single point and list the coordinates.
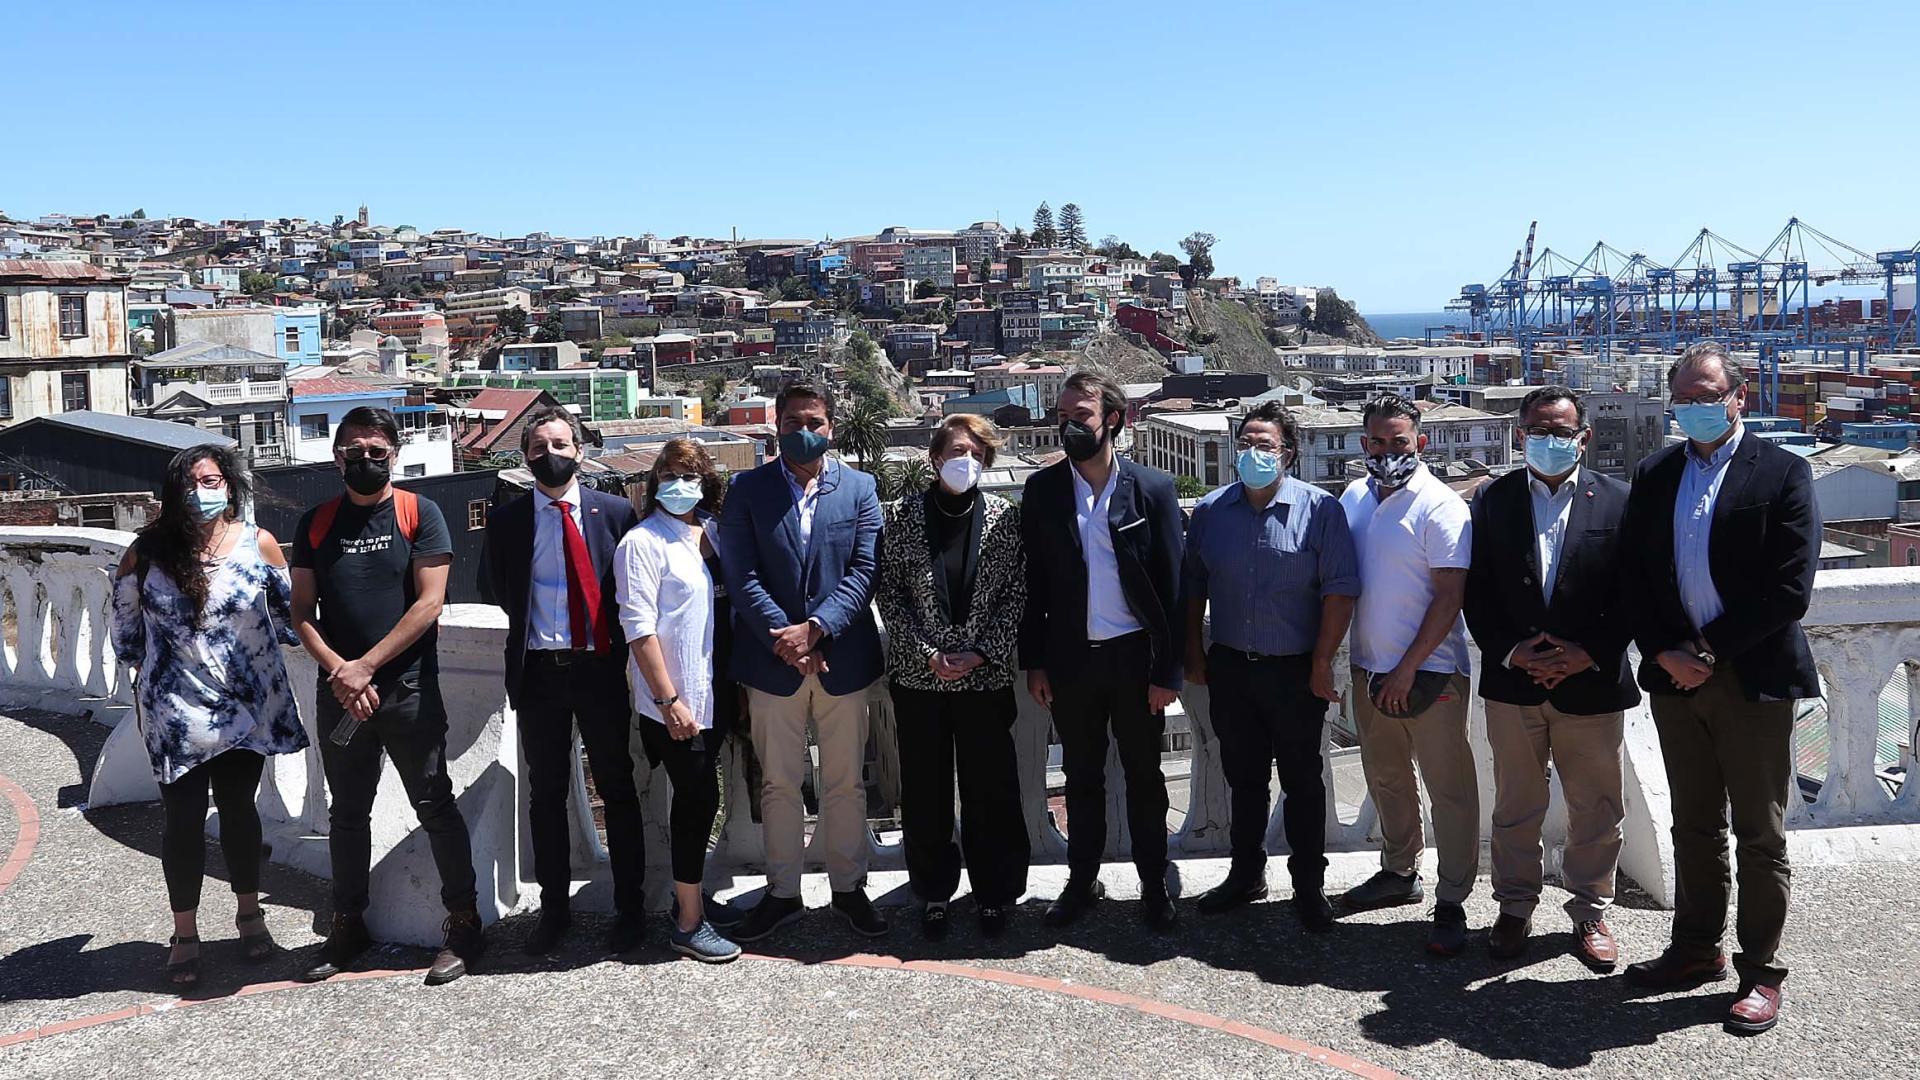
(550, 565)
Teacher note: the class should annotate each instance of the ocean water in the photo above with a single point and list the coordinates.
(1412, 324)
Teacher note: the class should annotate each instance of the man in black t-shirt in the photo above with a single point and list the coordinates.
(369, 580)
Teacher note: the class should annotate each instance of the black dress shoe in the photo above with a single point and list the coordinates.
(770, 914)
(465, 943)
(934, 923)
(346, 940)
(627, 933)
(1313, 910)
(1237, 891)
(1156, 908)
(993, 920)
(1074, 901)
(1507, 938)
(1384, 889)
(854, 907)
(1449, 935)
(548, 931)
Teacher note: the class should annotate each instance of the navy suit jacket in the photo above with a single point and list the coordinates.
(508, 559)
(1149, 543)
(1504, 606)
(775, 582)
(1764, 547)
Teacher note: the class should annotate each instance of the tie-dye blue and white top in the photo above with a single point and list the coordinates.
(211, 685)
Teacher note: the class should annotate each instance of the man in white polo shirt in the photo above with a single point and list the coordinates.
(1414, 539)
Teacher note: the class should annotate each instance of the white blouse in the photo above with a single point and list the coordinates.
(666, 591)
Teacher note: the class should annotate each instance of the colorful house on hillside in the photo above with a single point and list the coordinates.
(1153, 324)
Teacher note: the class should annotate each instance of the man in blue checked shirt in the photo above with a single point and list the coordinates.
(1274, 556)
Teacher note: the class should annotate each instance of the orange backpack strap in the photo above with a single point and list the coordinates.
(322, 523)
(406, 514)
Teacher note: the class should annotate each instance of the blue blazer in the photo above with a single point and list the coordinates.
(508, 567)
(774, 583)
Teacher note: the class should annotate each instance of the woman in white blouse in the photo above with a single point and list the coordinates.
(674, 613)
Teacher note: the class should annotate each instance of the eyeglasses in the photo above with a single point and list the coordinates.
(370, 453)
(211, 483)
(1540, 431)
(1704, 399)
(668, 478)
(1256, 444)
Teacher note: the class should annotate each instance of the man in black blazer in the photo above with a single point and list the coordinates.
(1722, 540)
(549, 559)
(1102, 640)
(1543, 602)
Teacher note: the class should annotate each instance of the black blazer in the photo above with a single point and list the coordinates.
(1149, 541)
(1504, 606)
(508, 561)
(1764, 548)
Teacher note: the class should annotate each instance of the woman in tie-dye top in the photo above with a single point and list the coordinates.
(200, 609)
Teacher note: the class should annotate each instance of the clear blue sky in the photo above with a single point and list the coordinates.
(1394, 150)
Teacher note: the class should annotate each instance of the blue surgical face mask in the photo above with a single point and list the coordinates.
(680, 496)
(1703, 423)
(1258, 468)
(209, 503)
(1551, 455)
(803, 447)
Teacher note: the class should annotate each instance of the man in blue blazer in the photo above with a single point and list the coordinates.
(799, 547)
(549, 559)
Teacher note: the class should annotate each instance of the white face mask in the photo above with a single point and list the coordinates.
(959, 474)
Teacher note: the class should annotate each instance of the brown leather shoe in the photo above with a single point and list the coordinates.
(1507, 938)
(464, 944)
(1673, 968)
(1756, 1012)
(1597, 948)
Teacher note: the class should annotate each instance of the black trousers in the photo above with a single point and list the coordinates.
(1264, 714)
(558, 691)
(690, 765)
(968, 732)
(1110, 692)
(411, 726)
(234, 777)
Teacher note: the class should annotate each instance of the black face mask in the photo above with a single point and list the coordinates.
(367, 476)
(553, 470)
(1081, 442)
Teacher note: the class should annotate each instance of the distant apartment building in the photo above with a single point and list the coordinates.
(907, 343)
(979, 327)
(481, 308)
(63, 339)
(319, 402)
(1627, 429)
(416, 328)
(1330, 438)
(931, 262)
(981, 241)
(1196, 444)
(292, 334)
(813, 333)
(237, 392)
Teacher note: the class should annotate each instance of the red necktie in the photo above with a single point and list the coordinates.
(583, 587)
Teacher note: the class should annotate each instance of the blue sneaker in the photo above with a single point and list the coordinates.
(704, 943)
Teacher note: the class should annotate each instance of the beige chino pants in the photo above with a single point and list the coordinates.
(779, 726)
(1585, 751)
(1437, 740)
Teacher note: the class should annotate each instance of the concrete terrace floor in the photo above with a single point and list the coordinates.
(83, 918)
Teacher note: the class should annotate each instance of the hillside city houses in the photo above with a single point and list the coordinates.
(264, 334)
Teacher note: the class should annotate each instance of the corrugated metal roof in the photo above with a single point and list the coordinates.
(61, 270)
(343, 384)
(139, 429)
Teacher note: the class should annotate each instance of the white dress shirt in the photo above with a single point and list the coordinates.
(1401, 539)
(1108, 615)
(1700, 482)
(665, 591)
(549, 622)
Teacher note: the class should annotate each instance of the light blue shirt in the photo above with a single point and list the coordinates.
(549, 618)
(1693, 529)
(1265, 571)
(807, 498)
(1551, 511)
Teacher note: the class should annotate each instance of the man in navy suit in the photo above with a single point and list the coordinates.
(799, 544)
(1545, 605)
(1103, 638)
(549, 559)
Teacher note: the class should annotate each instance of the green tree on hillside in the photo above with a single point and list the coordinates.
(1332, 315)
(139, 215)
(256, 284)
(1199, 249)
(1073, 226)
(1043, 231)
(551, 328)
(924, 289)
(1113, 247)
(513, 320)
(1017, 239)
(1161, 263)
(986, 270)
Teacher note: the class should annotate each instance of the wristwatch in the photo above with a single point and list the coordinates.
(1707, 657)
(661, 703)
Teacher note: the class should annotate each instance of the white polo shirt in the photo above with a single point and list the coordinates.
(1416, 529)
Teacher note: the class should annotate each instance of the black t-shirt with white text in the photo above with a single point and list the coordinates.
(363, 571)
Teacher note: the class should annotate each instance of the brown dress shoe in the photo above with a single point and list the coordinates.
(1597, 948)
(1756, 1012)
(1673, 968)
(464, 945)
(1508, 937)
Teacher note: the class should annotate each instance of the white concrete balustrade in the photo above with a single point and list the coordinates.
(55, 601)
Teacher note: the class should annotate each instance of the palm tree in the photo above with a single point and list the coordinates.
(862, 433)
